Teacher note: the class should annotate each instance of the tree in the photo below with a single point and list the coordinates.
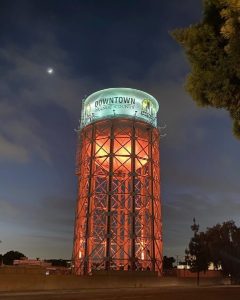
(168, 262)
(197, 253)
(10, 256)
(224, 248)
(212, 47)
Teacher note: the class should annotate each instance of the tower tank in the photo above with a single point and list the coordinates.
(118, 213)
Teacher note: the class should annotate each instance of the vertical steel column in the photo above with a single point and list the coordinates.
(152, 199)
(75, 241)
(133, 174)
(126, 223)
(119, 212)
(86, 252)
(144, 238)
(109, 204)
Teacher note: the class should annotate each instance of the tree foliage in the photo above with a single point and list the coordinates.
(10, 256)
(224, 248)
(58, 262)
(212, 47)
(219, 245)
(168, 262)
(197, 255)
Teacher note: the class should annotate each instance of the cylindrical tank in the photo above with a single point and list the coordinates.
(118, 213)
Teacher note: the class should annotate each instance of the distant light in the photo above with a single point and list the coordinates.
(50, 70)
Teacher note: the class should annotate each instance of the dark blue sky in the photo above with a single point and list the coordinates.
(93, 45)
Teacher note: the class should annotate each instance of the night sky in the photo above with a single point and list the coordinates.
(93, 45)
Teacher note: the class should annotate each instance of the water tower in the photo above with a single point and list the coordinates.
(118, 214)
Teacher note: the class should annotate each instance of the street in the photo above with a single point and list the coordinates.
(163, 293)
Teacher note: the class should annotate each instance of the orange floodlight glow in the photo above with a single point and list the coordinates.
(118, 214)
(122, 151)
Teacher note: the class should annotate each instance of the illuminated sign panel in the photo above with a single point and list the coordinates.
(119, 102)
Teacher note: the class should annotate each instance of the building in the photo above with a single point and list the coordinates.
(31, 262)
(118, 213)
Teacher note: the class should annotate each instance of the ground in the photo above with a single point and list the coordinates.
(163, 293)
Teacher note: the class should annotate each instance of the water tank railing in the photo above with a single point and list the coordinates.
(113, 115)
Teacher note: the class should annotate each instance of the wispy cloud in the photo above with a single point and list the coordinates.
(20, 135)
(25, 87)
(38, 227)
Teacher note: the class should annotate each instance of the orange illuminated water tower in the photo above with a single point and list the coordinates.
(118, 215)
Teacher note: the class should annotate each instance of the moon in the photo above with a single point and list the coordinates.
(50, 70)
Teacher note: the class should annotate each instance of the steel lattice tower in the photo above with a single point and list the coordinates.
(118, 214)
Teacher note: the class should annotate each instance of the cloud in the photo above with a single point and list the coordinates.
(50, 212)
(20, 135)
(43, 226)
(54, 214)
(26, 88)
(199, 166)
(208, 209)
(29, 83)
(12, 152)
